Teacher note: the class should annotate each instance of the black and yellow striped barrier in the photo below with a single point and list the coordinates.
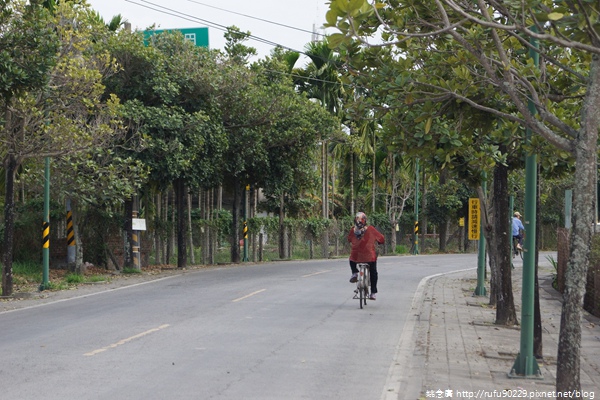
(46, 235)
(70, 232)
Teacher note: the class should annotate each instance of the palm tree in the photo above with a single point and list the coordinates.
(320, 80)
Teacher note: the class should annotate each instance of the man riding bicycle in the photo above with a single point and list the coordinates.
(518, 229)
(363, 239)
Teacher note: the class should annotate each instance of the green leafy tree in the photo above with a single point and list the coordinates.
(291, 138)
(168, 90)
(494, 39)
(271, 130)
(51, 94)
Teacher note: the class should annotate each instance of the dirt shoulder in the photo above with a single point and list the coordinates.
(27, 294)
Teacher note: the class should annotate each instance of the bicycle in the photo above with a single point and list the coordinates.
(516, 250)
(363, 284)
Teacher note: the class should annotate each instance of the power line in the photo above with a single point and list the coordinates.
(188, 17)
(257, 18)
(192, 18)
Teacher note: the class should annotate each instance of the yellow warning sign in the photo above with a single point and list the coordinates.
(474, 219)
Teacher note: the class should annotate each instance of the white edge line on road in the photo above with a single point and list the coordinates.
(88, 294)
(248, 295)
(123, 341)
(405, 348)
(316, 273)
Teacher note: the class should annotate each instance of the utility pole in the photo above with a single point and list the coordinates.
(245, 256)
(416, 231)
(526, 365)
(46, 228)
(480, 290)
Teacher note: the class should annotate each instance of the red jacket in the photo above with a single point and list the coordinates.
(363, 249)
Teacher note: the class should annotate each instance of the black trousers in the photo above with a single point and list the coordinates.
(372, 272)
(519, 239)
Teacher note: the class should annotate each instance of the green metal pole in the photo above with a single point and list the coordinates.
(526, 365)
(480, 290)
(416, 230)
(46, 230)
(246, 223)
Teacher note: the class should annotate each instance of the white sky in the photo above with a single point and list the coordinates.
(218, 14)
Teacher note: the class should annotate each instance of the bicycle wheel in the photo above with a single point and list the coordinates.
(361, 296)
(367, 286)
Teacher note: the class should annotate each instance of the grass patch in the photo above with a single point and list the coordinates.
(401, 249)
(96, 278)
(131, 271)
(554, 264)
(73, 278)
(27, 270)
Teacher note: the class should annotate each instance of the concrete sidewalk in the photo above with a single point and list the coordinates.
(458, 352)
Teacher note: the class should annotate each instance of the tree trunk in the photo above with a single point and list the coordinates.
(352, 212)
(568, 360)
(180, 195)
(128, 237)
(76, 235)
(213, 205)
(393, 239)
(10, 166)
(391, 209)
(324, 200)
(374, 177)
(173, 231)
(235, 224)
(157, 233)
(423, 215)
(281, 241)
(499, 250)
(253, 212)
(190, 229)
(203, 205)
(443, 226)
(325, 238)
(169, 228)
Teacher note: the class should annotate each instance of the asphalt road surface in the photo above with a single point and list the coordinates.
(288, 330)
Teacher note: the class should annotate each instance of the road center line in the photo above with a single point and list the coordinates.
(248, 295)
(316, 273)
(129, 339)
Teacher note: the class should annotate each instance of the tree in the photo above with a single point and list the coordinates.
(271, 129)
(168, 89)
(292, 136)
(321, 82)
(494, 38)
(51, 94)
(401, 188)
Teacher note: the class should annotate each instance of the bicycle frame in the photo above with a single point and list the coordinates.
(363, 283)
(515, 249)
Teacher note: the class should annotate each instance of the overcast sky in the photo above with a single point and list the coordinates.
(288, 23)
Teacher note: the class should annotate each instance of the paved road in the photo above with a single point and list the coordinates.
(286, 330)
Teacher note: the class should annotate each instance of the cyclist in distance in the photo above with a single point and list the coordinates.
(363, 237)
(517, 229)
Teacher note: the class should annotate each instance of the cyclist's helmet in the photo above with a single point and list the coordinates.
(360, 220)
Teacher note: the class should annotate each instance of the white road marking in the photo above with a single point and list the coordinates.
(248, 295)
(129, 339)
(316, 273)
